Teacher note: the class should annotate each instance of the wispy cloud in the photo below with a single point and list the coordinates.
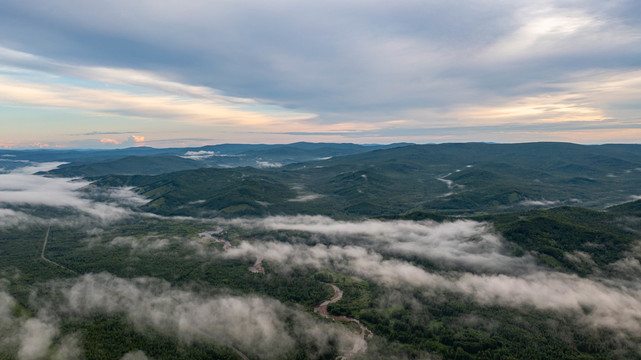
(109, 133)
(459, 243)
(45, 83)
(137, 104)
(539, 202)
(383, 252)
(204, 154)
(259, 326)
(31, 338)
(596, 302)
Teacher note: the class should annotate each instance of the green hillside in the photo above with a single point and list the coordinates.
(139, 165)
(451, 179)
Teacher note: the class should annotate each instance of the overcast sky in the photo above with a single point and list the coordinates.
(117, 73)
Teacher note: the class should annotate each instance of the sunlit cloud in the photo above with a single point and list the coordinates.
(109, 141)
(356, 71)
(131, 140)
(131, 104)
(585, 97)
(546, 109)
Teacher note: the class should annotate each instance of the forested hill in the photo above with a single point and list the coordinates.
(452, 179)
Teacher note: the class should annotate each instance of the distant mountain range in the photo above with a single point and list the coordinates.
(451, 179)
(149, 161)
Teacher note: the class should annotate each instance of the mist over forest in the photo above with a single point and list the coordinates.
(291, 262)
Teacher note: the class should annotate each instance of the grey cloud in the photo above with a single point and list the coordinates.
(354, 54)
(120, 195)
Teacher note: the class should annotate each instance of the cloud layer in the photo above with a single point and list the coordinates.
(459, 243)
(23, 186)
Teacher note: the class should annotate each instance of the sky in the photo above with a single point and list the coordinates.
(106, 74)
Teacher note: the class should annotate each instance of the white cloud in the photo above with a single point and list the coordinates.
(203, 154)
(268, 164)
(258, 326)
(10, 217)
(22, 186)
(36, 337)
(539, 202)
(354, 260)
(30, 338)
(198, 155)
(594, 302)
(458, 243)
(307, 197)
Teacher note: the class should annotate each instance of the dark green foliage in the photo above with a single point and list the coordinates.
(556, 234)
(139, 165)
(483, 178)
(408, 322)
(416, 216)
(109, 338)
(632, 208)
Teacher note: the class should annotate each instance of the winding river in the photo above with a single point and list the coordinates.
(361, 344)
